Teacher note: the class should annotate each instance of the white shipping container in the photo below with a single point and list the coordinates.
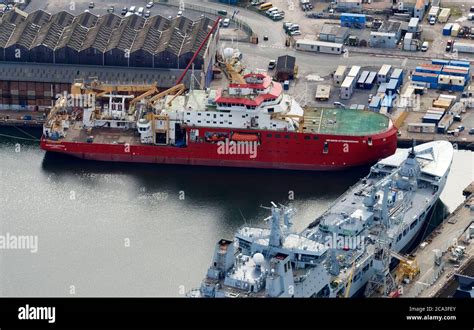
(463, 47)
(340, 74)
(444, 15)
(354, 72)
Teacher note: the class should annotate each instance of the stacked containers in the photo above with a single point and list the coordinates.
(392, 86)
(432, 79)
(398, 75)
(384, 73)
(347, 87)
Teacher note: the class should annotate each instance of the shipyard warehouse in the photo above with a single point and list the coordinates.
(41, 54)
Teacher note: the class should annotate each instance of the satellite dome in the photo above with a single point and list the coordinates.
(258, 259)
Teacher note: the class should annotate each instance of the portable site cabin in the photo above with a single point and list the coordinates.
(384, 73)
(347, 88)
(354, 72)
(319, 46)
(340, 74)
(362, 79)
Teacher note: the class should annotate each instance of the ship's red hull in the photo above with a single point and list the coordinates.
(293, 151)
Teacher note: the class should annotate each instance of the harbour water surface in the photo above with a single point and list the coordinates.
(144, 230)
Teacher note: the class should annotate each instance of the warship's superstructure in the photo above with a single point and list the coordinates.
(347, 248)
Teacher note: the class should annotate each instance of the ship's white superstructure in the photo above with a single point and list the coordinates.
(344, 249)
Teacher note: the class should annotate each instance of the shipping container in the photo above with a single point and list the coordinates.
(464, 64)
(347, 87)
(439, 62)
(444, 15)
(455, 30)
(392, 86)
(434, 119)
(421, 127)
(445, 123)
(443, 104)
(354, 72)
(340, 74)
(447, 29)
(397, 74)
(362, 79)
(375, 103)
(429, 68)
(370, 81)
(382, 88)
(463, 47)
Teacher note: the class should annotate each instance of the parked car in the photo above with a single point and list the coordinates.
(461, 128)
(449, 45)
(295, 33)
(91, 5)
(111, 9)
(272, 65)
(265, 38)
(150, 4)
(124, 11)
(424, 46)
(471, 131)
(222, 12)
(226, 22)
(147, 14)
(287, 25)
(472, 9)
(180, 13)
(432, 20)
(294, 27)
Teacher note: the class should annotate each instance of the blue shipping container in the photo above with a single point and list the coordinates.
(439, 62)
(392, 85)
(353, 20)
(382, 88)
(447, 29)
(397, 74)
(464, 64)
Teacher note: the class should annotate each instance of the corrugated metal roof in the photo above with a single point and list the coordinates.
(154, 35)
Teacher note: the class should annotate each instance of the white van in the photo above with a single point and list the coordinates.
(424, 46)
(140, 11)
(131, 9)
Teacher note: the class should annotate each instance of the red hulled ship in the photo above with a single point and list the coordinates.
(251, 123)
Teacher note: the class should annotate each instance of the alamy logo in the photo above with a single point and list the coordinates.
(78, 100)
(37, 313)
(228, 147)
(336, 241)
(19, 242)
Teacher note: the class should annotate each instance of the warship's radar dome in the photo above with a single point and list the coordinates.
(258, 259)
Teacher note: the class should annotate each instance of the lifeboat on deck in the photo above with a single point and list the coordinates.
(239, 137)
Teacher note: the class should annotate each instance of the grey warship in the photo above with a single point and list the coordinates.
(345, 250)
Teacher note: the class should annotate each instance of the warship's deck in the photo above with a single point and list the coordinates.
(104, 136)
(344, 122)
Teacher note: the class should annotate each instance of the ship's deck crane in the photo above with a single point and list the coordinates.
(406, 269)
(349, 282)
